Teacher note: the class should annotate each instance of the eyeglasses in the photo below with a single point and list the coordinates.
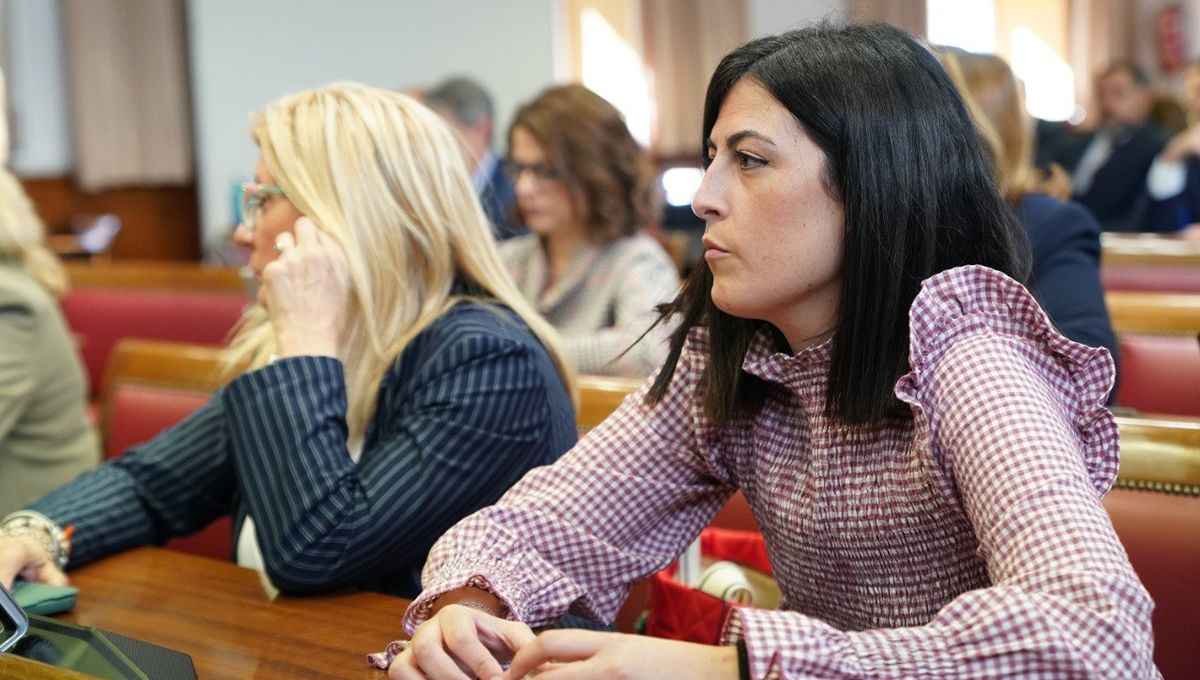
(542, 172)
(250, 199)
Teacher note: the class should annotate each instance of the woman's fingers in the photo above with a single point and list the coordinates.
(557, 646)
(306, 232)
(475, 639)
(284, 242)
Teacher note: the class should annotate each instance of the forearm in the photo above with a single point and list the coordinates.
(173, 485)
(1041, 633)
(104, 508)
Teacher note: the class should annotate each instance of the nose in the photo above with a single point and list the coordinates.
(243, 236)
(708, 204)
(524, 184)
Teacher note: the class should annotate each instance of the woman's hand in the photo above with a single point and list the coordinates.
(570, 654)
(459, 643)
(23, 556)
(306, 291)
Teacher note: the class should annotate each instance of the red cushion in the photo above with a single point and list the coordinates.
(1161, 533)
(1160, 374)
(138, 413)
(1151, 277)
(99, 317)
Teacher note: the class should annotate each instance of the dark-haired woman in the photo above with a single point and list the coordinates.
(924, 453)
(583, 188)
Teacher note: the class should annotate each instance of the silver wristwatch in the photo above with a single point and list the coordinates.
(48, 533)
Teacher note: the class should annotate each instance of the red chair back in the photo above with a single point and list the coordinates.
(137, 410)
(1161, 533)
(1163, 278)
(100, 317)
(1160, 374)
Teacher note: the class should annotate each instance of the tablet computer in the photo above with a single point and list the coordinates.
(85, 649)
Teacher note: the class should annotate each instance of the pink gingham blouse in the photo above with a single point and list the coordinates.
(965, 541)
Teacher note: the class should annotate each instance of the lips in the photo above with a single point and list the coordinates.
(712, 249)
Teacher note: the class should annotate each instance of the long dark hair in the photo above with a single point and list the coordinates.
(918, 191)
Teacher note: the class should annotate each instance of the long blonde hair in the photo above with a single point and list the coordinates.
(385, 178)
(22, 234)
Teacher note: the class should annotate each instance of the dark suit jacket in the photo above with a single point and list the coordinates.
(472, 403)
(497, 199)
(1115, 188)
(1066, 271)
(1177, 212)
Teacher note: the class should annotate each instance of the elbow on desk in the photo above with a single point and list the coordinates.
(299, 572)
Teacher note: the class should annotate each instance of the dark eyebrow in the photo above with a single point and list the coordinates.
(738, 136)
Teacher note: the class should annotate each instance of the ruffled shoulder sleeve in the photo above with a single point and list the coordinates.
(993, 319)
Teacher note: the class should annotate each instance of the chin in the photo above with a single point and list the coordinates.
(729, 303)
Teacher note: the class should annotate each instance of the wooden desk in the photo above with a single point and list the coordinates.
(1149, 249)
(218, 613)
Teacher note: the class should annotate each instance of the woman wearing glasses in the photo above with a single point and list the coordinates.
(396, 379)
(583, 188)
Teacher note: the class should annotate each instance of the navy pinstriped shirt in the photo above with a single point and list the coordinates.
(471, 404)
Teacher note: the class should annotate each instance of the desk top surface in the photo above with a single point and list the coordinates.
(220, 615)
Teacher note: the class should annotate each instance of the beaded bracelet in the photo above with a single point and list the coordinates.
(53, 538)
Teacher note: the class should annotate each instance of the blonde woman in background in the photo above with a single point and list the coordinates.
(397, 380)
(1064, 236)
(45, 437)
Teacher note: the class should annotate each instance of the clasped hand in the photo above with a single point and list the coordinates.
(306, 292)
(24, 557)
(459, 643)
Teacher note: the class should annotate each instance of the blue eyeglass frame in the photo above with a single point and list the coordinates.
(250, 196)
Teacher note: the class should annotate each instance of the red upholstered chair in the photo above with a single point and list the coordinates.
(150, 386)
(100, 317)
(1160, 374)
(1165, 278)
(1156, 512)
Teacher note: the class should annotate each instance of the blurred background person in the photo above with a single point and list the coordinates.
(468, 107)
(585, 190)
(45, 436)
(1108, 167)
(1064, 237)
(396, 381)
(1173, 184)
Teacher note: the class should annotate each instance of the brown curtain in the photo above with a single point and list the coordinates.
(129, 92)
(683, 42)
(906, 14)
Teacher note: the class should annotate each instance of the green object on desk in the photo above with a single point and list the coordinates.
(39, 598)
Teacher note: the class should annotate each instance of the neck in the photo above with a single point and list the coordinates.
(561, 247)
(812, 322)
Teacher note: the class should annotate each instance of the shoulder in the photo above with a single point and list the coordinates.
(641, 250)
(1154, 134)
(976, 335)
(640, 244)
(470, 331)
(1048, 220)
(20, 294)
(519, 248)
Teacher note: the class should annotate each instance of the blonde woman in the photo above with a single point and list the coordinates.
(397, 380)
(45, 437)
